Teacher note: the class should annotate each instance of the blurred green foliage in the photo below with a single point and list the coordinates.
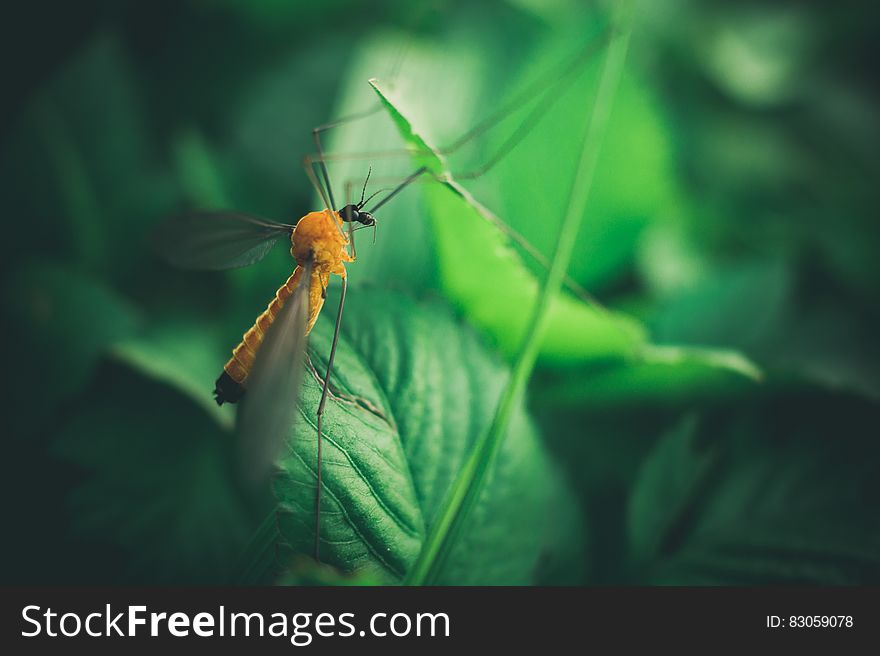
(732, 234)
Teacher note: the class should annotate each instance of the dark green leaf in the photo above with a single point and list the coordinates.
(413, 389)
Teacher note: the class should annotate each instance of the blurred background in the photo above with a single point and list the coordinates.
(734, 215)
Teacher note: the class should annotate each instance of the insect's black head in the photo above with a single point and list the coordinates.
(354, 213)
(366, 218)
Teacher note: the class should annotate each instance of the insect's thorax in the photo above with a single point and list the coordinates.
(320, 236)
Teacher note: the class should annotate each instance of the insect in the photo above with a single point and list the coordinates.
(265, 369)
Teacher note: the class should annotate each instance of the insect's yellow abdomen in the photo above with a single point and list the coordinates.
(317, 237)
(239, 365)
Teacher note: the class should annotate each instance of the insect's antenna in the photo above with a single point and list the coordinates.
(321, 160)
(542, 91)
(364, 190)
(320, 416)
(407, 181)
(372, 196)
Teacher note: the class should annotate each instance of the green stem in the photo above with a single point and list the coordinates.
(469, 482)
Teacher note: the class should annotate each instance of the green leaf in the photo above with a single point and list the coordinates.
(764, 492)
(660, 375)
(412, 390)
(482, 273)
(463, 234)
(485, 276)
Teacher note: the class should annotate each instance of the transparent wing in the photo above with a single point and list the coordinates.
(216, 240)
(269, 405)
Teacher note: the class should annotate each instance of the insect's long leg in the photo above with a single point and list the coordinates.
(352, 250)
(573, 286)
(308, 165)
(412, 177)
(320, 416)
(316, 132)
(316, 136)
(540, 89)
(535, 115)
(515, 236)
(547, 99)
